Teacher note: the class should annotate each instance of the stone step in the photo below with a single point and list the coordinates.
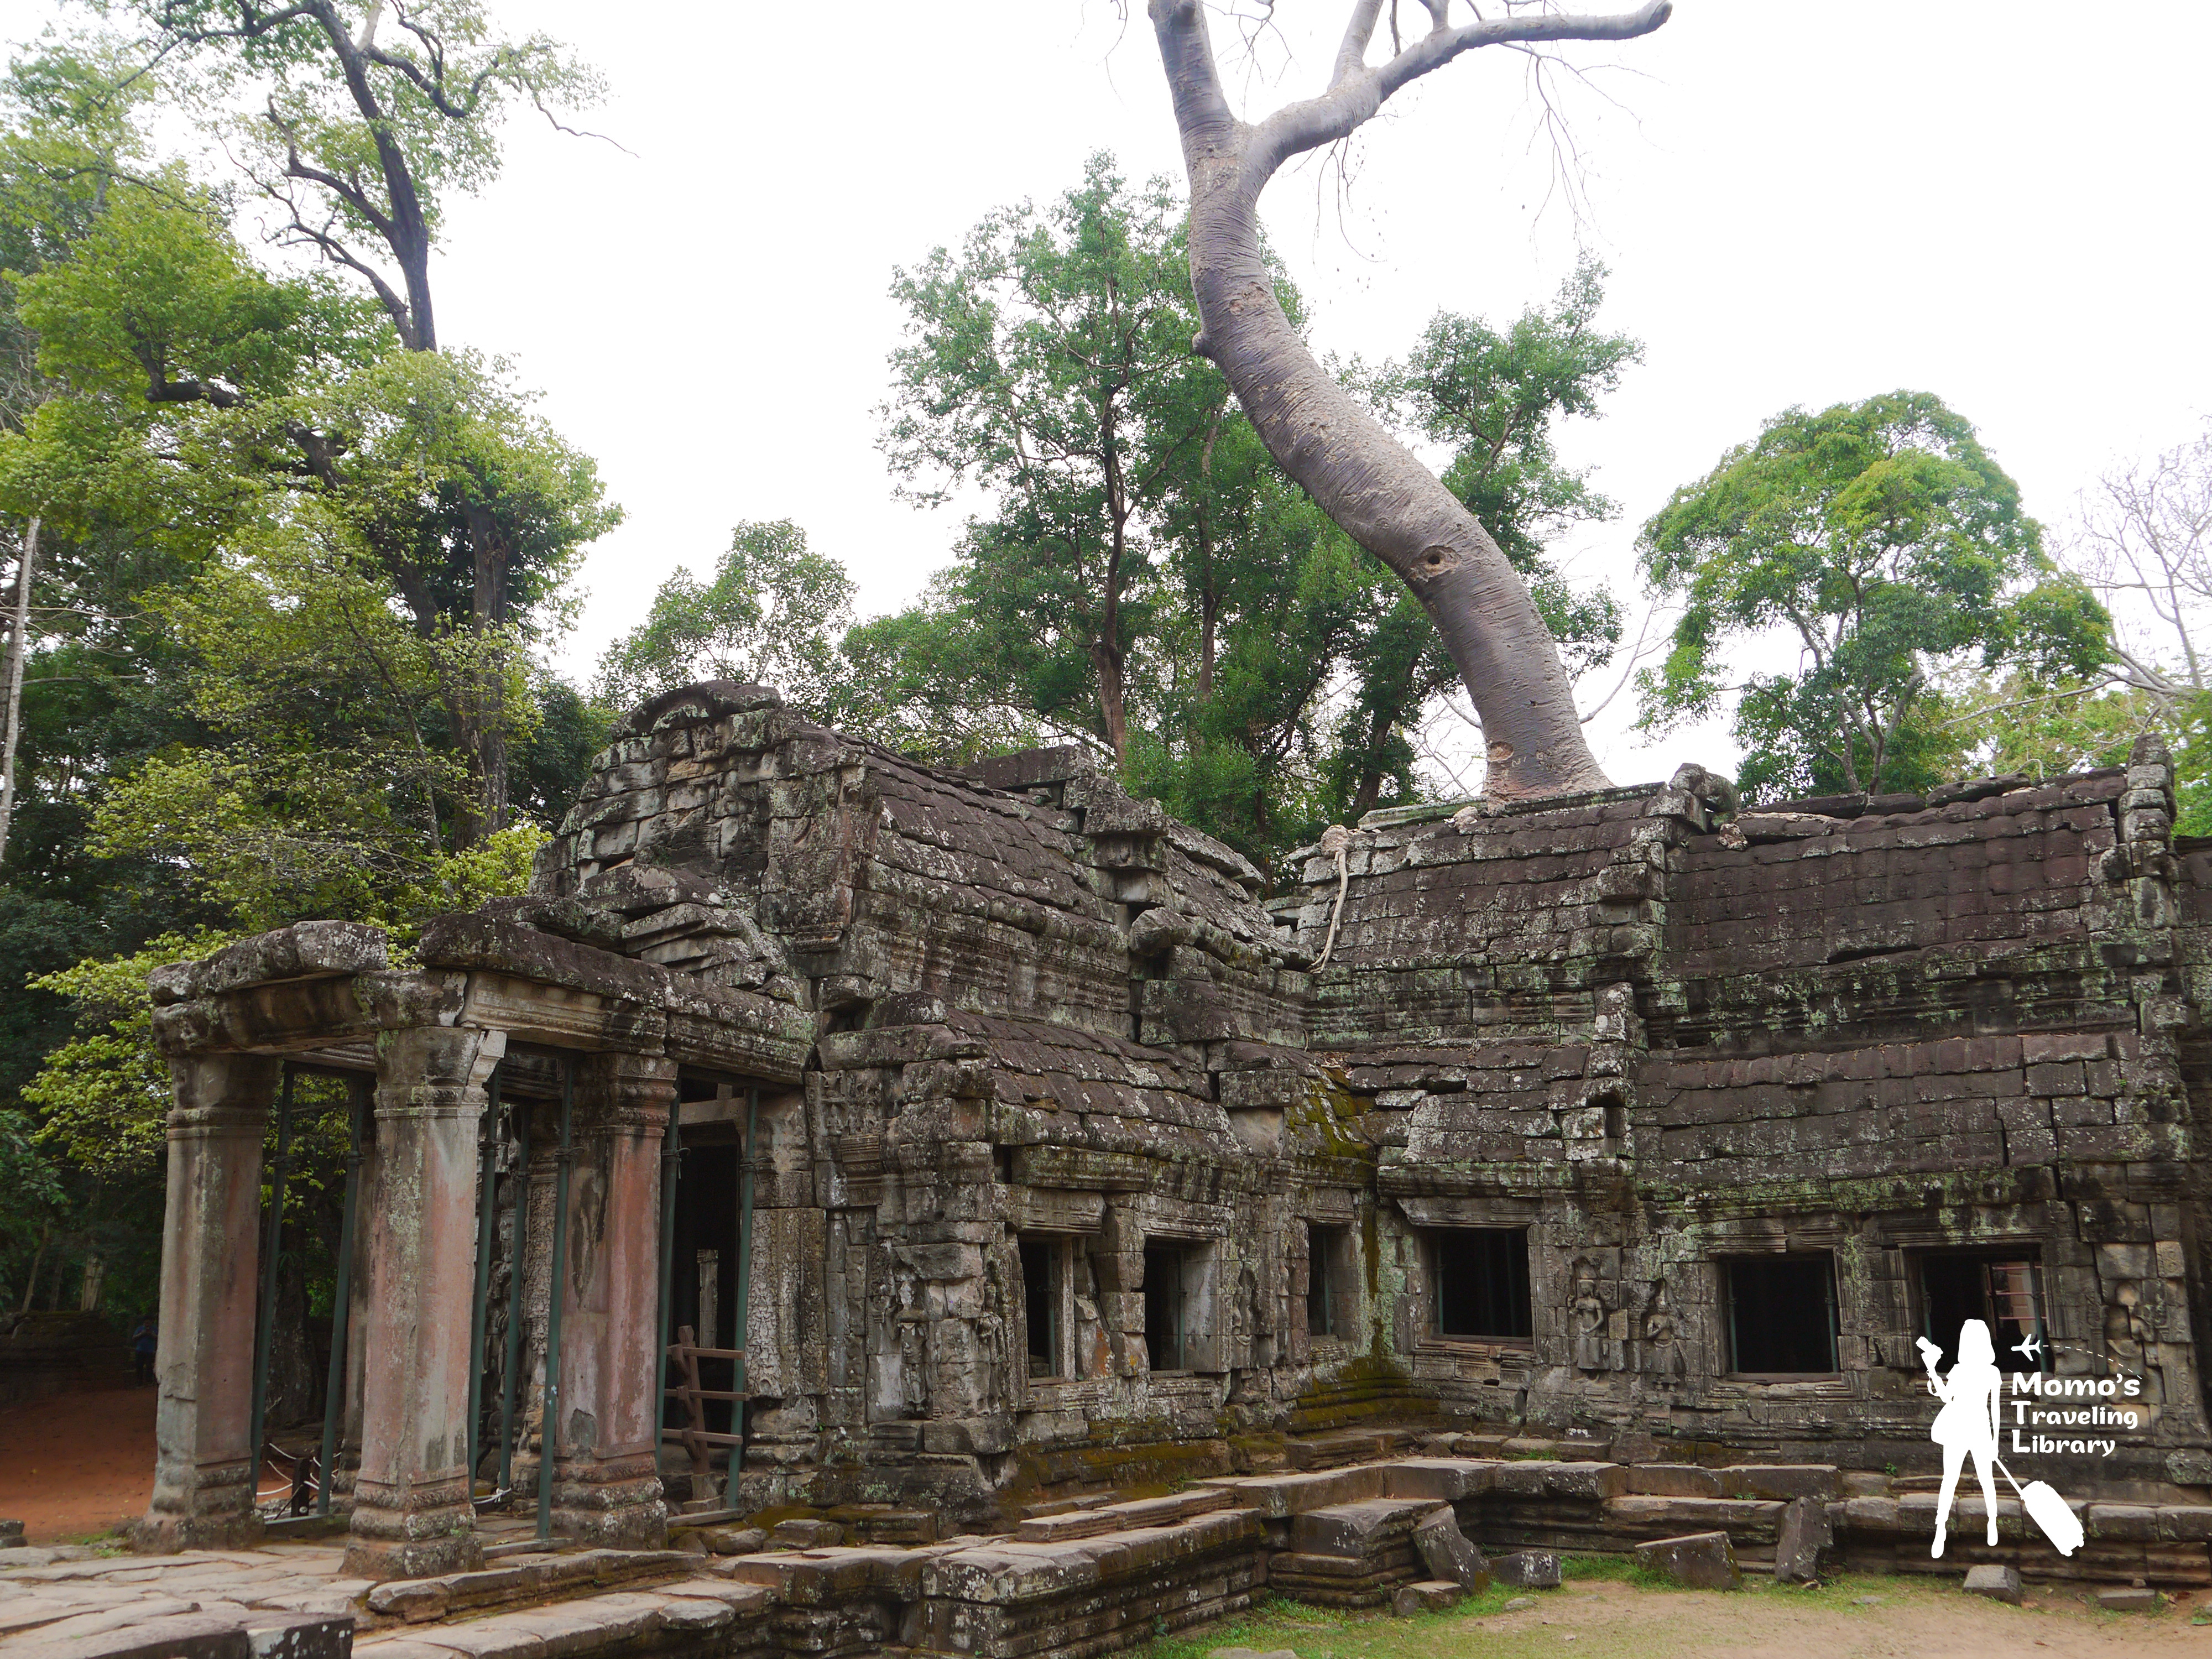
(525, 1578)
(1651, 1517)
(1121, 1517)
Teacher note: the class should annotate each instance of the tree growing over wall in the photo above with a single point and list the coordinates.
(1366, 481)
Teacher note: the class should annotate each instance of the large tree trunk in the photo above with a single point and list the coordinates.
(1365, 480)
(19, 651)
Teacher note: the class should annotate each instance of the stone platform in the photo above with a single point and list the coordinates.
(1076, 1584)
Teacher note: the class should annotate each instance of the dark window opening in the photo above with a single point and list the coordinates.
(2004, 1292)
(1782, 1315)
(1163, 1309)
(1482, 1283)
(1323, 1245)
(1041, 1263)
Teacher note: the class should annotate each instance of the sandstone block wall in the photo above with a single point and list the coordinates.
(1056, 1032)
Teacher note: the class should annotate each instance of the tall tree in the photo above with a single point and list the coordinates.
(1365, 479)
(1050, 363)
(363, 120)
(1887, 545)
(771, 616)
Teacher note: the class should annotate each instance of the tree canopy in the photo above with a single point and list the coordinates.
(772, 615)
(1881, 544)
(297, 569)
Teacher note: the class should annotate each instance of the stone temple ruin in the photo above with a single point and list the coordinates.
(1614, 1159)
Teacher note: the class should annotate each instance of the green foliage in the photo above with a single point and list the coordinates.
(1885, 547)
(104, 1094)
(1049, 364)
(770, 616)
(286, 567)
(933, 681)
(34, 1186)
(2023, 724)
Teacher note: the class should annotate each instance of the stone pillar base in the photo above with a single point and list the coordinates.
(613, 1503)
(211, 1509)
(419, 1534)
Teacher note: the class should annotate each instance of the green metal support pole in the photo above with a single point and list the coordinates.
(510, 1381)
(341, 1312)
(265, 1331)
(671, 1146)
(549, 1423)
(744, 1288)
(479, 1305)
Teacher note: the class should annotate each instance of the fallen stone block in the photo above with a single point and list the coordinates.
(1448, 1553)
(1703, 1560)
(1998, 1584)
(418, 1601)
(1527, 1568)
(11, 1535)
(1520, 1602)
(1426, 1595)
(2141, 1600)
(1440, 1480)
(733, 1541)
(806, 1534)
(1353, 1529)
(1805, 1539)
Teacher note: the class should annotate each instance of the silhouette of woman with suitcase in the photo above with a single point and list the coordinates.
(1968, 1421)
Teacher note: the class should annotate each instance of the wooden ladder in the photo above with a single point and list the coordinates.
(694, 1436)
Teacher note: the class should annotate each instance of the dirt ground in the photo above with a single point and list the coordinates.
(1605, 1618)
(77, 1463)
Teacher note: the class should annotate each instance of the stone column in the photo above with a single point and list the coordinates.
(360, 1297)
(210, 1280)
(606, 1476)
(413, 1514)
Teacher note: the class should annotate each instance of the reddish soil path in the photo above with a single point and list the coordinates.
(77, 1462)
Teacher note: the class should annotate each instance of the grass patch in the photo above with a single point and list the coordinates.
(1620, 1569)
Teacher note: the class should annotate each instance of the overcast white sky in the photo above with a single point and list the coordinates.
(2000, 203)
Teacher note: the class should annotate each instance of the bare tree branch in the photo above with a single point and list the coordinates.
(1353, 54)
(1358, 93)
